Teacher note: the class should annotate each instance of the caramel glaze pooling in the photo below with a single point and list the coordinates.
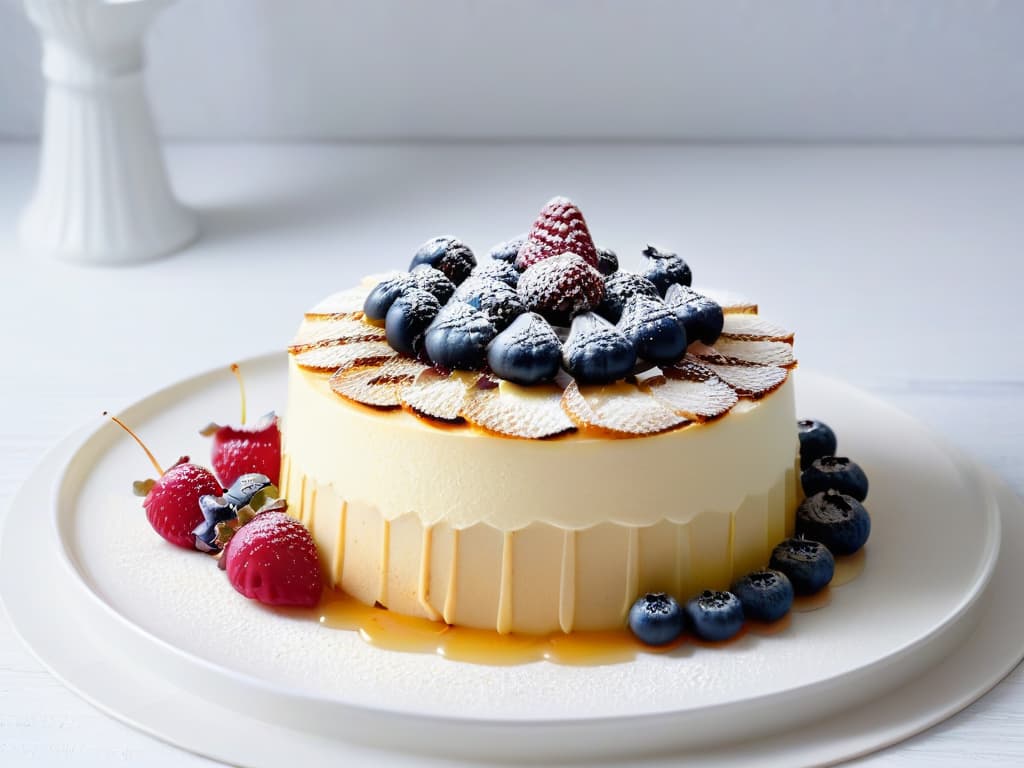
(408, 634)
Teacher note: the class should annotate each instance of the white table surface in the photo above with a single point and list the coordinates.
(900, 268)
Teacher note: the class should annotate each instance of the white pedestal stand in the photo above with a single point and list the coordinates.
(102, 195)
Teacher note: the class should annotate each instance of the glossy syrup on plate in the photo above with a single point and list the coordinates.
(395, 632)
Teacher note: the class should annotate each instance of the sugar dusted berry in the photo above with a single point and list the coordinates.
(560, 287)
(560, 228)
(273, 559)
(837, 520)
(656, 619)
(619, 288)
(702, 317)
(527, 352)
(607, 261)
(432, 281)
(498, 270)
(664, 268)
(448, 254)
(596, 352)
(816, 440)
(765, 595)
(383, 295)
(714, 616)
(838, 473)
(408, 318)
(653, 330)
(458, 337)
(508, 250)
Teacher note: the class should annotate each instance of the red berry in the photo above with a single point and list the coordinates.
(560, 228)
(172, 504)
(273, 559)
(561, 287)
(239, 450)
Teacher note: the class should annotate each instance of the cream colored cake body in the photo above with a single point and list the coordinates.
(458, 524)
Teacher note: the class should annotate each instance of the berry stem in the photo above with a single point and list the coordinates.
(149, 453)
(241, 387)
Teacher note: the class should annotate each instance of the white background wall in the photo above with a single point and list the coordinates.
(731, 69)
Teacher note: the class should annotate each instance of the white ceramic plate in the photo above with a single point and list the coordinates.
(934, 545)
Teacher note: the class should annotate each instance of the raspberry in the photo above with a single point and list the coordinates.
(560, 287)
(273, 559)
(560, 228)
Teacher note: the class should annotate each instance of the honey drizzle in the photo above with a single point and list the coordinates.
(409, 634)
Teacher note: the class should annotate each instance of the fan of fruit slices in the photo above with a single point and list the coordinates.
(546, 337)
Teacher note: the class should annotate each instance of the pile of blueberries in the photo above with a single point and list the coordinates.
(559, 313)
(830, 521)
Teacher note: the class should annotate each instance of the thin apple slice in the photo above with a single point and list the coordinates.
(693, 391)
(754, 328)
(516, 411)
(346, 303)
(750, 381)
(333, 357)
(734, 352)
(334, 330)
(731, 303)
(378, 385)
(621, 408)
(438, 394)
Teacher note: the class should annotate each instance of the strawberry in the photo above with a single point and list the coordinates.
(561, 287)
(273, 559)
(239, 451)
(559, 228)
(172, 503)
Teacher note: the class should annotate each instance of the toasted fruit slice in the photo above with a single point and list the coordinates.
(731, 303)
(343, 303)
(754, 328)
(334, 330)
(750, 381)
(438, 394)
(517, 411)
(734, 352)
(333, 357)
(620, 407)
(378, 385)
(693, 391)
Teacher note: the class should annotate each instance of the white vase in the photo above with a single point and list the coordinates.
(102, 195)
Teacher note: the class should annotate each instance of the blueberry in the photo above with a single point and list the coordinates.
(596, 352)
(527, 352)
(702, 317)
(215, 509)
(498, 270)
(766, 595)
(620, 287)
(836, 472)
(607, 261)
(508, 250)
(458, 337)
(448, 254)
(808, 564)
(664, 268)
(816, 440)
(383, 295)
(838, 521)
(433, 281)
(496, 299)
(408, 318)
(714, 615)
(653, 330)
(656, 619)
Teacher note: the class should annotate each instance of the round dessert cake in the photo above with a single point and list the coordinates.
(530, 443)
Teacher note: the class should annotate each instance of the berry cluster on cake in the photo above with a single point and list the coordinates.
(531, 441)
